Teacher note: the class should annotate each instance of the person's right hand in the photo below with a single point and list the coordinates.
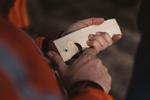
(86, 67)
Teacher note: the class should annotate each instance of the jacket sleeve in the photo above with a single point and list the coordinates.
(91, 94)
(45, 44)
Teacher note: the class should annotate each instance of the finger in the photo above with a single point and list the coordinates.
(74, 27)
(92, 21)
(96, 45)
(97, 21)
(91, 37)
(90, 51)
(101, 38)
(58, 60)
(106, 37)
(115, 38)
(84, 23)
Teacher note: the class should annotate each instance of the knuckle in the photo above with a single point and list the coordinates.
(103, 34)
(98, 61)
(98, 37)
(106, 34)
(95, 43)
(89, 53)
(88, 57)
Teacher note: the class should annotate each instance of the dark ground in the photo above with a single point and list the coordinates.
(51, 16)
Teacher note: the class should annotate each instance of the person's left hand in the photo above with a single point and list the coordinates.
(99, 41)
(82, 24)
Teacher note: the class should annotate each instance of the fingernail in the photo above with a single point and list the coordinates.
(118, 35)
(88, 43)
(91, 36)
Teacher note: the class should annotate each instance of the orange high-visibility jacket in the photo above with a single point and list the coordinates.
(24, 71)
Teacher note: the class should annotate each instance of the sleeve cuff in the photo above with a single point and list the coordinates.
(75, 88)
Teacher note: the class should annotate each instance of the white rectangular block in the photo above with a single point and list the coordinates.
(66, 46)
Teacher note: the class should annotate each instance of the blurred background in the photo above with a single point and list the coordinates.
(48, 17)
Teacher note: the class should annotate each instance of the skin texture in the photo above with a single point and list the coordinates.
(87, 66)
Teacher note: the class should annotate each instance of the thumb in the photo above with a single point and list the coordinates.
(55, 57)
(115, 38)
(84, 23)
(90, 51)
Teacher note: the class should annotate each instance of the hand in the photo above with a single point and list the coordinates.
(101, 40)
(76, 26)
(86, 67)
(82, 24)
